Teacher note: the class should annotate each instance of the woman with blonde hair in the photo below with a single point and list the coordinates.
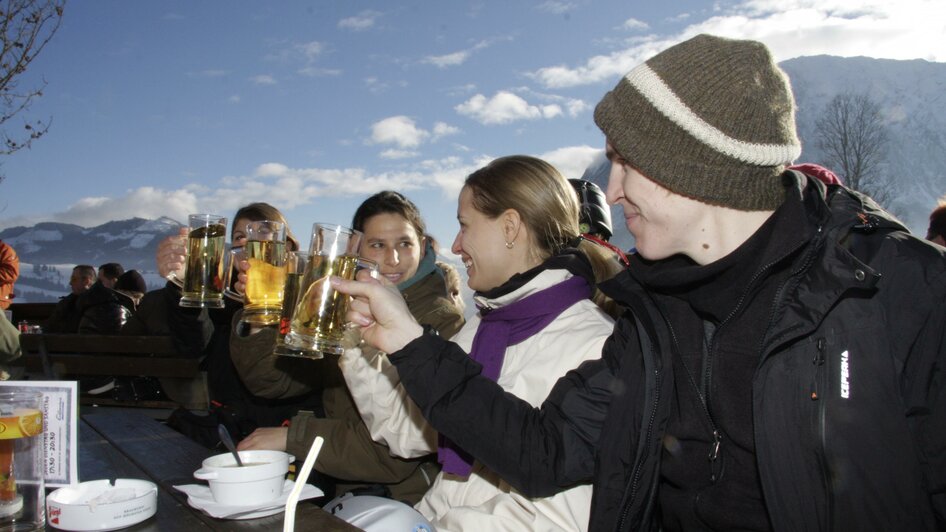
(534, 279)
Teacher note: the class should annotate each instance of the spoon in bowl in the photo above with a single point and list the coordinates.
(228, 442)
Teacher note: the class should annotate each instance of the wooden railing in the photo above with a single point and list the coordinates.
(70, 356)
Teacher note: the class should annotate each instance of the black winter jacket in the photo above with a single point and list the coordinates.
(103, 310)
(849, 398)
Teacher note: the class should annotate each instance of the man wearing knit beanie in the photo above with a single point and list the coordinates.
(741, 257)
(781, 363)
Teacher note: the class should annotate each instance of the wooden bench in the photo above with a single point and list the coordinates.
(58, 356)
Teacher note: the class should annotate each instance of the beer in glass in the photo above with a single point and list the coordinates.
(203, 270)
(22, 471)
(265, 251)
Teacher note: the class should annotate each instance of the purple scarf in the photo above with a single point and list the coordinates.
(504, 327)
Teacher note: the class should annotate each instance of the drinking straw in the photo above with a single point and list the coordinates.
(289, 521)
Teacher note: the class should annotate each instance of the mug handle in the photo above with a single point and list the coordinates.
(368, 264)
(177, 281)
(233, 257)
(203, 474)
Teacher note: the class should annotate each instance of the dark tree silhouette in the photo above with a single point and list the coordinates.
(853, 140)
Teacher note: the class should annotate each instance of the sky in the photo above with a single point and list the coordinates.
(175, 107)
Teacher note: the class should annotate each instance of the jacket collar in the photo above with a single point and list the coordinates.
(834, 264)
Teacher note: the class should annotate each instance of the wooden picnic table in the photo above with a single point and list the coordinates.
(122, 444)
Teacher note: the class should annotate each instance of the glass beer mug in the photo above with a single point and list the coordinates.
(265, 251)
(203, 283)
(318, 320)
(296, 262)
(22, 483)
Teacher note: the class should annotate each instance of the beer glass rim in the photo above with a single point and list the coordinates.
(339, 228)
(275, 226)
(258, 222)
(207, 218)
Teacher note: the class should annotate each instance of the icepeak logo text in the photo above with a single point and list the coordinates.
(845, 376)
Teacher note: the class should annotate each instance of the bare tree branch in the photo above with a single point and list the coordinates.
(26, 26)
(853, 138)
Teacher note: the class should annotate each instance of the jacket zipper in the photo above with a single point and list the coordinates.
(638, 467)
(818, 362)
(821, 379)
(708, 369)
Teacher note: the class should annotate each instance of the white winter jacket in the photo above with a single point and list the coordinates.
(530, 369)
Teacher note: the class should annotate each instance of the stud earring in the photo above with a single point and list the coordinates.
(509, 245)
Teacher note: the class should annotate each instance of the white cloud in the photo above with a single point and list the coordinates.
(577, 107)
(571, 161)
(234, 98)
(398, 154)
(143, 202)
(598, 68)
(361, 21)
(289, 188)
(572, 106)
(447, 60)
(399, 130)
(263, 79)
(557, 7)
(906, 29)
(634, 24)
(460, 57)
(312, 71)
(505, 107)
(310, 50)
(443, 129)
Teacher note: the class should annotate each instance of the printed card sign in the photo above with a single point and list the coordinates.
(59, 409)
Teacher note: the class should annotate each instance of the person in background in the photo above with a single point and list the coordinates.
(594, 214)
(9, 347)
(109, 273)
(395, 237)
(9, 272)
(818, 172)
(103, 310)
(65, 317)
(533, 277)
(132, 285)
(454, 284)
(781, 363)
(936, 232)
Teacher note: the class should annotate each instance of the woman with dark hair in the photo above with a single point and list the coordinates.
(212, 334)
(394, 237)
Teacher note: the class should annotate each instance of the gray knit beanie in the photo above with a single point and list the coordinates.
(710, 118)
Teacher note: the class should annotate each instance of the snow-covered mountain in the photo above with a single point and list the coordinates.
(912, 95)
(48, 251)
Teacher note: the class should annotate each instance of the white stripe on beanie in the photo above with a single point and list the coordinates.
(662, 97)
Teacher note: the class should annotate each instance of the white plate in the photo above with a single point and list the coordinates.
(199, 496)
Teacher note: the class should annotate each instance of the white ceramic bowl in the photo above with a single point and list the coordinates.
(98, 505)
(259, 480)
